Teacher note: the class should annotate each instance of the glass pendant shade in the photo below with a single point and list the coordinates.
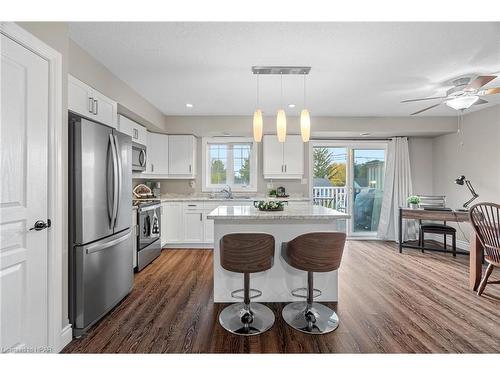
(462, 102)
(257, 125)
(281, 125)
(305, 125)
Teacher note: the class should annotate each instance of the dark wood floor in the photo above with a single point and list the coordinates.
(389, 303)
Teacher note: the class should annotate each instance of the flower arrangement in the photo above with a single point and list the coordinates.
(269, 205)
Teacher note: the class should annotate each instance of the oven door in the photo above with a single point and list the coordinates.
(149, 225)
(139, 157)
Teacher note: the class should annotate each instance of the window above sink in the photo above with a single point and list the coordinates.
(229, 162)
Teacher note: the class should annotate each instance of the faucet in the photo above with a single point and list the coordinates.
(228, 192)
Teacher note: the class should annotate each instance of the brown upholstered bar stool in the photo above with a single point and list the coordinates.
(312, 252)
(247, 253)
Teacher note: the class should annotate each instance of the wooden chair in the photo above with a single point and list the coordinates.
(436, 201)
(247, 253)
(485, 219)
(312, 252)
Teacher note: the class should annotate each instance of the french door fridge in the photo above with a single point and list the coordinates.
(100, 191)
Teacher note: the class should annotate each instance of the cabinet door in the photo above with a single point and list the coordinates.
(193, 226)
(181, 155)
(172, 223)
(142, 134)
(208, 227)
(157, 161)
(273, 157)
(104, 109)
(79, 97)
(293, 156)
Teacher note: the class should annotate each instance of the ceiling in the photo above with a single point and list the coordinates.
(358, 69)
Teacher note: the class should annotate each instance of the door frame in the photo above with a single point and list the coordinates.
(349, 145)
(58, 336)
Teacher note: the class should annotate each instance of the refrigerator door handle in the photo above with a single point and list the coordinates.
(99, 247)
(120, 177)
(115, 180)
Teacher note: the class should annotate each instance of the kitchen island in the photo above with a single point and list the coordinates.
(276, 284)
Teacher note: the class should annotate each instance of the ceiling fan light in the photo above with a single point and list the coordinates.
(305, 125)
(462, 102)
(257, 125)
(281, 125)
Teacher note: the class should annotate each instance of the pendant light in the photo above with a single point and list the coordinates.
(257, 119)
(305, 120)
(281, 118)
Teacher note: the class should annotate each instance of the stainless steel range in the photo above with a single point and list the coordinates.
(149, 232)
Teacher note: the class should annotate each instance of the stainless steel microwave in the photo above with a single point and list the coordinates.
(139, 157)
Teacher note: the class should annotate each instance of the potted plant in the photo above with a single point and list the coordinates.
(413, 201)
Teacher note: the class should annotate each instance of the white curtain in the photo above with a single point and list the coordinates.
(397, 188)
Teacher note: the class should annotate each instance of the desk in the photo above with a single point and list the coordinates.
(475, 247)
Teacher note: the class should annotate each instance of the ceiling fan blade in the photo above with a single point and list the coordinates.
(479, 82)
(425, 109)
(481, 101)
(494, 90)
(418, 100)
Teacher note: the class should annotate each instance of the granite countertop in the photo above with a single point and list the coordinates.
(299, 213)
(185, 198)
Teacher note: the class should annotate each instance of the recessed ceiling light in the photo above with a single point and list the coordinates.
(189, 105)
(291, 105)
(365, 134)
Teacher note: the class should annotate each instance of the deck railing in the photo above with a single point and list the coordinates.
(330, 196)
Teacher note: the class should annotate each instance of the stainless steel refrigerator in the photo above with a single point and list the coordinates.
(100, 191)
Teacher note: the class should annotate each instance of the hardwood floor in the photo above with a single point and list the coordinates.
(389, 303)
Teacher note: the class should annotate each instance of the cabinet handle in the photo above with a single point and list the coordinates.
(285, 168)
(152, 167)
(282, 168)
(191, 205)
(190, 168)
(136, 133)
(96, 109)
(201, 216)
(91, 105)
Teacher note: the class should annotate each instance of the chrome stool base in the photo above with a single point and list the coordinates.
(317, 320)
(260, 320)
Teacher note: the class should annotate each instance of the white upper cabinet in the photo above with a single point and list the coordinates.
(157, 162)
(283, 160)
(138, 132)
(88, 102)
(181, 156)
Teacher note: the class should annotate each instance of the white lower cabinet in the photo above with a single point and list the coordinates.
(193, 226)
(172, 228)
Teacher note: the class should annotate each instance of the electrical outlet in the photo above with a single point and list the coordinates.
(270, 185)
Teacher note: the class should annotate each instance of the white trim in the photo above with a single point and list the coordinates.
(254, 164)
(55, 179)
(188, 245)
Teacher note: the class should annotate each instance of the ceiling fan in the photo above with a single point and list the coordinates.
(465, 92)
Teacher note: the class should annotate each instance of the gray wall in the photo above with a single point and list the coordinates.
(477, 159)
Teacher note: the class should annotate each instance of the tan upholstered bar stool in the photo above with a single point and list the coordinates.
(247, 253)
(312, 252)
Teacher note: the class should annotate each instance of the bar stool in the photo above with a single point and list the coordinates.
(246, 253)
(312, 252)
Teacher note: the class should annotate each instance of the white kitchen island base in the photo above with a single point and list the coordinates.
(276, 283)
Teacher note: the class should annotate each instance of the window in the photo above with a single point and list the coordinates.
(229, 161)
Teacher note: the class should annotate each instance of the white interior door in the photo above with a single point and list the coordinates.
(23, 162)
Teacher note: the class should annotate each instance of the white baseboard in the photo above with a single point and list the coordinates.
(66, 337)
(462, 245)
(188, 246)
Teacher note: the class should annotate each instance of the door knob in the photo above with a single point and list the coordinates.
(41, 225)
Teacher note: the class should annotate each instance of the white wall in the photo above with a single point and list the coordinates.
(478, 159)
(421, 163)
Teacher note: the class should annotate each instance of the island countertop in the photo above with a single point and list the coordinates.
(290, 212)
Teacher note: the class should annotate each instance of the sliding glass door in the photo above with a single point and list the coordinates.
(349, 177)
